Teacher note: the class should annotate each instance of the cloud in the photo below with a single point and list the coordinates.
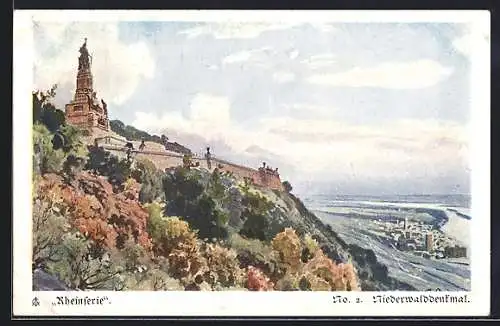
(322, 149)
(394, 75)
(320, 60)
(255, 55)
(305, 111)
(283, 77)
(245, 30)
(325, 28)
(421, 148)
(117, 67)
(471, 40)
(234, 30)
(210, 110)
(293, 54)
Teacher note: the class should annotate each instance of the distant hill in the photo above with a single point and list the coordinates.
(132, 133)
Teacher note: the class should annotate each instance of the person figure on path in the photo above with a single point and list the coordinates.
(208, 156)
(141, 147)
(129, 146)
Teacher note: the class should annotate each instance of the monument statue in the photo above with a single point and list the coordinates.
(84, 59)
(104, 107)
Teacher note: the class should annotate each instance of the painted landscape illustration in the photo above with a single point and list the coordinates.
(214, 156)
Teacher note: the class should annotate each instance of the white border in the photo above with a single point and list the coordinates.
(249, 303)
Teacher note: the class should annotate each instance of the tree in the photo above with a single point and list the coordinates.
(146, 173)
(49, 227)
(287, 186)
(72, 165)
(255, 214)
(45, 112)
(47, 159)
(80, 270)
(104, 163)
(186, 197)
(72, 140)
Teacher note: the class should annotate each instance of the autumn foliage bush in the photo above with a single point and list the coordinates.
(175, 240)
(318, 273)
(324, 274)
(108, 219)
(257, 280)
(223, 267)
(289, 248)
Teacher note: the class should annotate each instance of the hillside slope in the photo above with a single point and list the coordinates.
(105, 223)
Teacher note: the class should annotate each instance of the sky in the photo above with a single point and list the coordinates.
(340, 108)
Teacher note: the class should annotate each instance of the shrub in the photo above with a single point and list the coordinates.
(135, 256)
(257, 280)
(178, 235)
(156, 223)
(152, 280)
(254, 226)
(223, 267)
(289, 247)
(187, 265)
(287, 186)
(71, 141)
(102, 162)
(45, 112)
(180, 187)
(175, 240)
(321, 270)
(79, 270)
(72, 165)
(47, 159)
(49, 226)
(215, 187)
(185, 197)
(290, 282)
(118, 171)
(146, 173)
(255, 215)
(97, 160)
(310, 247)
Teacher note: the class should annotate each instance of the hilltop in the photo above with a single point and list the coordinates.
(128, 225)
(132, 133)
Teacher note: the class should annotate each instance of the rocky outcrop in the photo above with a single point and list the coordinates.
(43, 281)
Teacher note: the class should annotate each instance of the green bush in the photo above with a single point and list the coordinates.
(134, 256)
(156, 223)
(72, 140)
(45, 112)
(104, 163)
(186, 197)
(49, 227)
(255, 215)
(152, 280)
(254, 226)
(287, 186)
(146, 173)
(79, 270)
(72, 165)
(46, 159)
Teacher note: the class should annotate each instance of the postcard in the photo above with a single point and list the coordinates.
(251, 163)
